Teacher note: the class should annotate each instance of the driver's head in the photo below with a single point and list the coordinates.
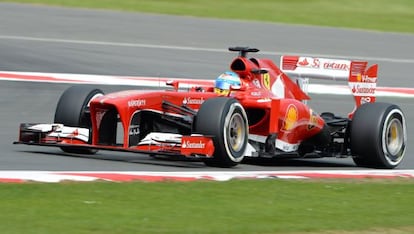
(224, 81)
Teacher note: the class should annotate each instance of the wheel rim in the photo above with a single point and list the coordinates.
(394, 137)
(236, 132)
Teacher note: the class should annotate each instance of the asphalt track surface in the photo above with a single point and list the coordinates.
(60, 40)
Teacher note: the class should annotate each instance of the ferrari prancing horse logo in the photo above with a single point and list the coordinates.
(266, 80)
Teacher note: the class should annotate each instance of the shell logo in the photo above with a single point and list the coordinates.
(291, 117)
(359, 77)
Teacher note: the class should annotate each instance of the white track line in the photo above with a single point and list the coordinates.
(189, 48)
(124, 176)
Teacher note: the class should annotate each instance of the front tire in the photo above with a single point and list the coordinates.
(73, 110)
(225, 119)
(378, 135)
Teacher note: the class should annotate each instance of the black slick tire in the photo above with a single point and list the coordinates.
(72, 110)
(226, 121)
(378, 135)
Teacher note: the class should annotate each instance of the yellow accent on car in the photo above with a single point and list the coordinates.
(291, 117)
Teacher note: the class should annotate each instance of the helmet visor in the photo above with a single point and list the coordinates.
(222, 84)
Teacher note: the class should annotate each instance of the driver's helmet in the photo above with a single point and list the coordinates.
(224, 81)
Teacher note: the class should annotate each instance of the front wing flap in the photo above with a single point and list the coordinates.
(52, 133)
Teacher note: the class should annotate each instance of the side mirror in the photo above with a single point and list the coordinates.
(173, 83)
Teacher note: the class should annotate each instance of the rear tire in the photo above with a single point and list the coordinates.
(378, 135)
(73, 110)
(226, 120)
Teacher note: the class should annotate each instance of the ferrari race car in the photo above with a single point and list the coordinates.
(265, 115)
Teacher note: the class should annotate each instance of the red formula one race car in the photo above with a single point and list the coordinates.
(255, 110)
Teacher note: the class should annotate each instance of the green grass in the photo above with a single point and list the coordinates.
(382, 15)
(263, 206)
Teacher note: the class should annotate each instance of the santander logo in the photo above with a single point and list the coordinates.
(193, 145)
(326, 64)
(304, 62)
(362, 89)
(336, 66)
(193, 101)
(309, 62)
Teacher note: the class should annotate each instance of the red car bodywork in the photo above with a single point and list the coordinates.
(274, 103)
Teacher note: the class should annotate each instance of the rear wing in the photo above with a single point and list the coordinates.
(362, 81)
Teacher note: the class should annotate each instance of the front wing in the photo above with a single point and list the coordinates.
(156, 143)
